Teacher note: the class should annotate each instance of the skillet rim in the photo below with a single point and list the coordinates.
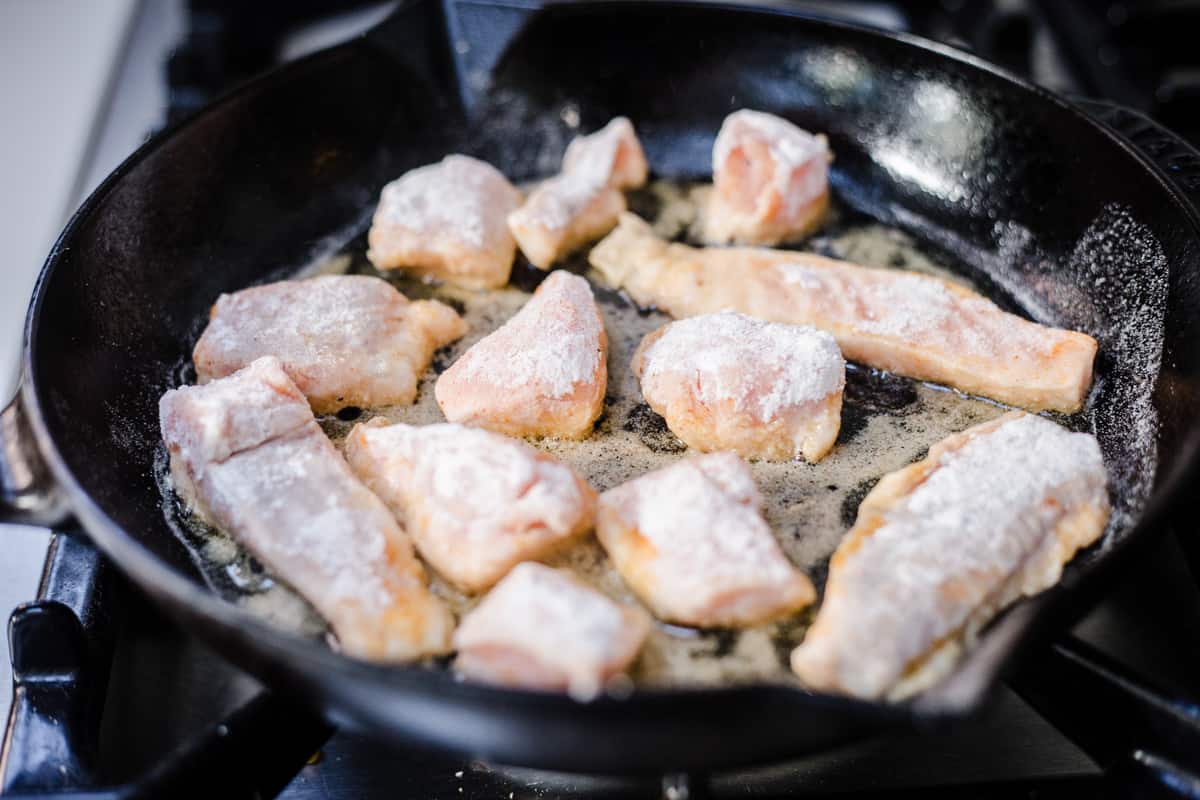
(183, 596)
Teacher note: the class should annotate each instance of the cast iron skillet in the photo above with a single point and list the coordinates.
(288, 166)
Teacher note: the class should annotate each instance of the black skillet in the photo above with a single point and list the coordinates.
(289, 166)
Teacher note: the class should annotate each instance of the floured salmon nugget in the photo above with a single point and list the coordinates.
(543, 373)
(617, 151)
(690, 540)
(346, 340)
(770, 181)
(474, 502)
(731, 382)
(540, 628)
(447, 221)
(582, 202)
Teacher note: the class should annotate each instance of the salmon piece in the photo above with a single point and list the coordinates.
(903, 322)
(990, 515)
(690, 540)
(563, 214)
(582, 202)
(543, 373)
(475, 503)
(248, 456)
(540, 628)
(447, 221)
(614, 150)
(730, 382)
(346, 340)
(770, 181)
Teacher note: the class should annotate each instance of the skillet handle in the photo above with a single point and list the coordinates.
(28, 494)
(1178, 160)
(1146, 740)
(454, 44)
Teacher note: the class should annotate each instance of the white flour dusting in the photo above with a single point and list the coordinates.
(708, 538)
(731, 357)
(1113, 285)
(555, 203)
(474, 502)
(255, 477)
(476, 476)
(458, 198)
(613, 152)
(790, 147)
(550, 346)
(922, 309)
(564, 626)
(588, 167)
(1127, 271)
(942, 551)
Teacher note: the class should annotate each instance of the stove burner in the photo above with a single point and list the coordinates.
(109, 694)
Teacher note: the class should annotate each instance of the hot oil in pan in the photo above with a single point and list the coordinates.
(887, 422)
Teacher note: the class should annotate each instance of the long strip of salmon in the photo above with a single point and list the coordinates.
(903, 322)
(248, 456)
(939, 547)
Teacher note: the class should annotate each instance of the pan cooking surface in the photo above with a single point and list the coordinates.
(887, 422)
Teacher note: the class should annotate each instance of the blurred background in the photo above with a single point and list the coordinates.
(83, 83)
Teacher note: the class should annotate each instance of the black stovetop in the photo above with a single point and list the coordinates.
(173, 716)
(142, 698)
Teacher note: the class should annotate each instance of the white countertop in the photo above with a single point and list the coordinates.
(59, 137)
(57, 58)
